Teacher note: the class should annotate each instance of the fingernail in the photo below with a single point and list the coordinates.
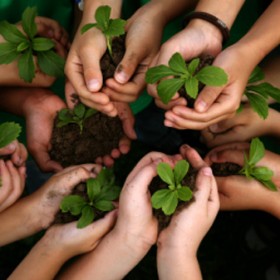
(214, 127)
(121, 77)
(207, 171)
(93, 85)
(201, 106)
(185, 146)
(11, 147)
(168, 124)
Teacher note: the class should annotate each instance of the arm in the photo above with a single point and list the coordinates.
(36, 212)
(179, 242)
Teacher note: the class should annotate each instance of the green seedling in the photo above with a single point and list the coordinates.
(22, 46)
(77, 116)
(260, 173)
(9, 131)
(109, 27)
(101, 191)
(185, 75)
(167, 199)
(258, 93)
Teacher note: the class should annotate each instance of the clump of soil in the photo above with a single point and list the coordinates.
(101, 134)
(205, 60)
(219, 169)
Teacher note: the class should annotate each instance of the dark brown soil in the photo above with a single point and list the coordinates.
(204, 61)
(101, 134)
(219, 169)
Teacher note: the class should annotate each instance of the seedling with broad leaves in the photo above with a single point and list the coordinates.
(101, 192)
(180, 74)
(110, 27)
(77, 116)
(167, 199)
(22, 46)
(260, 173)
(258, 93)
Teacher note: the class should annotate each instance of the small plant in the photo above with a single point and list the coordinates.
(78, 116)
(167, 199)
(258, 93)
(260, 173)
(183, 74)
(21, 46)
(9, 131)
(101, 191)
(110, 27)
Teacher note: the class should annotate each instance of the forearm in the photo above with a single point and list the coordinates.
(264, 36)
(44, 258)
(178, 265)
(113, 252)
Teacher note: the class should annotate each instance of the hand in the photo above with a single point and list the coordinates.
(17, 153)
(46, 200)
(126, 116)
(129, 78)
(196, 39)
(214, 104)
(40, 110)
(12, 182)
(244, 126)
(240, 193)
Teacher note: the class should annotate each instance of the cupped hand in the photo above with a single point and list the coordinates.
(12, 182)
(244, 126)
(16, 152)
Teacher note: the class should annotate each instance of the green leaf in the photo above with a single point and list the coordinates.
(165, 173)
(184, 193)
(88, 26)
(93, 188)
(90, 112)
(26, 66)
(257, 151)
(64, 115)
(28, 21)
(258, 103)
(256, 75)
(102, 16)
(262, 173)
(156, 73)
(51, 63)
(11, 33)
(260, 89)
(178, 64)
(9, 131)
(212, 76)
(86, 218)
(167, 89)
(191, 87)
(106, 177)
(180, 170)
(23, 46)
(116, 28)
(170, 204)
(79, 110)
(192, 66)
(73, 204)
(8, 52)
(104, 205)
(159, 197)
(271, 91)
(270, 185)
(42, 44)
(109, 193)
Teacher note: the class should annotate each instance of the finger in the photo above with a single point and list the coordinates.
(225, 125)
(233, 156)
(6, 186)
(71, 97)
(9, 149)
(124, 145)
(192, 157)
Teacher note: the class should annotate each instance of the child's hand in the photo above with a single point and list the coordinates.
(40, 109)
(242, 127)
(16, 152)
(12, 182)
(141, 48)
(240, 193)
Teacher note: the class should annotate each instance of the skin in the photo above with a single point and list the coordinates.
(37, 211)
